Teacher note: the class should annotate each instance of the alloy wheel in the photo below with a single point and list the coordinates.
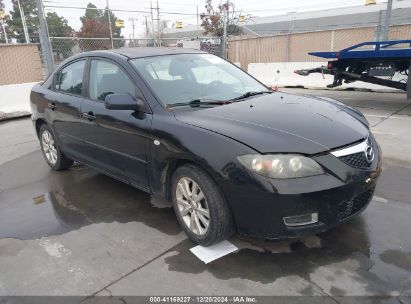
(192, 206)
(49, 147)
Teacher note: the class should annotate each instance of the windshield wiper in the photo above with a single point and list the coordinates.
(198, 102)
(249, 94)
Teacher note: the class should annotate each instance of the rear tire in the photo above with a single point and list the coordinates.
(200, 207)
(51, 151)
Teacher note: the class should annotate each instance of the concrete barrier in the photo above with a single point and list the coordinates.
(15, 97)
(282, 74)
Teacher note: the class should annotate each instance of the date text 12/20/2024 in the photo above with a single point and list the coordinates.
(203, 299)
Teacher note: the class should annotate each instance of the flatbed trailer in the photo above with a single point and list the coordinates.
(367, 62)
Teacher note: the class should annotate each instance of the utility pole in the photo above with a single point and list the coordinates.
(44, 39)
(158, 25)
(387, 21)
(147, 30)
(225, 21)
(198, 26)
(152, 23)
(133, 20)
(109, 24)
(23, 22)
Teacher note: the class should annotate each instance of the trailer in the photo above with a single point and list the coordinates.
(368, 62)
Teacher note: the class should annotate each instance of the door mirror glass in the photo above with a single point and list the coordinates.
(123, 102)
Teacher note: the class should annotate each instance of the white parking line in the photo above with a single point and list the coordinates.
(383, 133)
(380, 199)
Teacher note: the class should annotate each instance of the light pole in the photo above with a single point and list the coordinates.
(4, 31)
(23, 22)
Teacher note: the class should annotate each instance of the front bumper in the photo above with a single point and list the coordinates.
(260, 204)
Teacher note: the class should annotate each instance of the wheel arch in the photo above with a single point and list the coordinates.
(39, 122)
(174, 164)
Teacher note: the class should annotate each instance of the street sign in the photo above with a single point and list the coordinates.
(2, 14)
(119, 23)
(179, 24)
(241, 18)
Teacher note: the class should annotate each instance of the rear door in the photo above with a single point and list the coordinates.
(117, 140)
(64, 105)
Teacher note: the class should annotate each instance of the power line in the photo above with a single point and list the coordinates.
(95, 8)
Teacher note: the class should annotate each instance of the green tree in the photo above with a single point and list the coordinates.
(58, 27)
(212, 21)
(15, 25)
(95, 24)
(92, 13)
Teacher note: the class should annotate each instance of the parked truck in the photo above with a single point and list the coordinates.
(369, 62)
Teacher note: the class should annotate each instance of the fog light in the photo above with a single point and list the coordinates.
(299, 220)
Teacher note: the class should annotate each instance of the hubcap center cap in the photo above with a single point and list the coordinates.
(193, 204)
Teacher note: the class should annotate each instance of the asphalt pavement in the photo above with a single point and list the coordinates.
(79, 232)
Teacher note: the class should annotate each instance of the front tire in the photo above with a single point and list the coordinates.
(51, 151)
(201, 209)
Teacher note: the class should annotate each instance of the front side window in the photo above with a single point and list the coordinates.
(183, 78)
(70, 78)
(108, 78)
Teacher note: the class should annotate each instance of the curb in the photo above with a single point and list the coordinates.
(13, 115)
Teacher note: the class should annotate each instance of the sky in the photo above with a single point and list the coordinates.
(168, 8)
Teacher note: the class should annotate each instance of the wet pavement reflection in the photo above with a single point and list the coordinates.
(373, 250)
(75, 198)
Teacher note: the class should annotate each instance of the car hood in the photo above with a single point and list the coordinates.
(282, 123)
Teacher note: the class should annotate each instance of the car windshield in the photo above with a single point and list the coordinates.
(183, 78)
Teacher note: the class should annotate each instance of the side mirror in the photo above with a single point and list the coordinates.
(123, 102)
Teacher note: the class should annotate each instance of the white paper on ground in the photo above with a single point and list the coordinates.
(213, 252)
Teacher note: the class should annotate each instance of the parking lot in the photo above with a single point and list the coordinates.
(78, 232)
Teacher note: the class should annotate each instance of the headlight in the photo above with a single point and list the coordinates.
(281, 166)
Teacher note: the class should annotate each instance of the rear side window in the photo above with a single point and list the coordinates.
(107, 78)
(70, 78)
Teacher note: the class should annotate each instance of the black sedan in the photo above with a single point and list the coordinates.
(230, 154)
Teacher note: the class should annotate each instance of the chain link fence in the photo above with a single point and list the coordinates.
(64, 47)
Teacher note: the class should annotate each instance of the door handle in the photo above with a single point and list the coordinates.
(51, 106)
(89, 116)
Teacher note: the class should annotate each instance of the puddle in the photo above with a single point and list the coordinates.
(78, 197)
(345, 256)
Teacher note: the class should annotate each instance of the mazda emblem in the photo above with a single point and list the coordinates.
(369, 153)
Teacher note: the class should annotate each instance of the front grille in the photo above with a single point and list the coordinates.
(348, 208)
(356, 160)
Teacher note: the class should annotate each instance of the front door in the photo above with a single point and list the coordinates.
(117, 140)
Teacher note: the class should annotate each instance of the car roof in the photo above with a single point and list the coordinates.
(140, 52)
